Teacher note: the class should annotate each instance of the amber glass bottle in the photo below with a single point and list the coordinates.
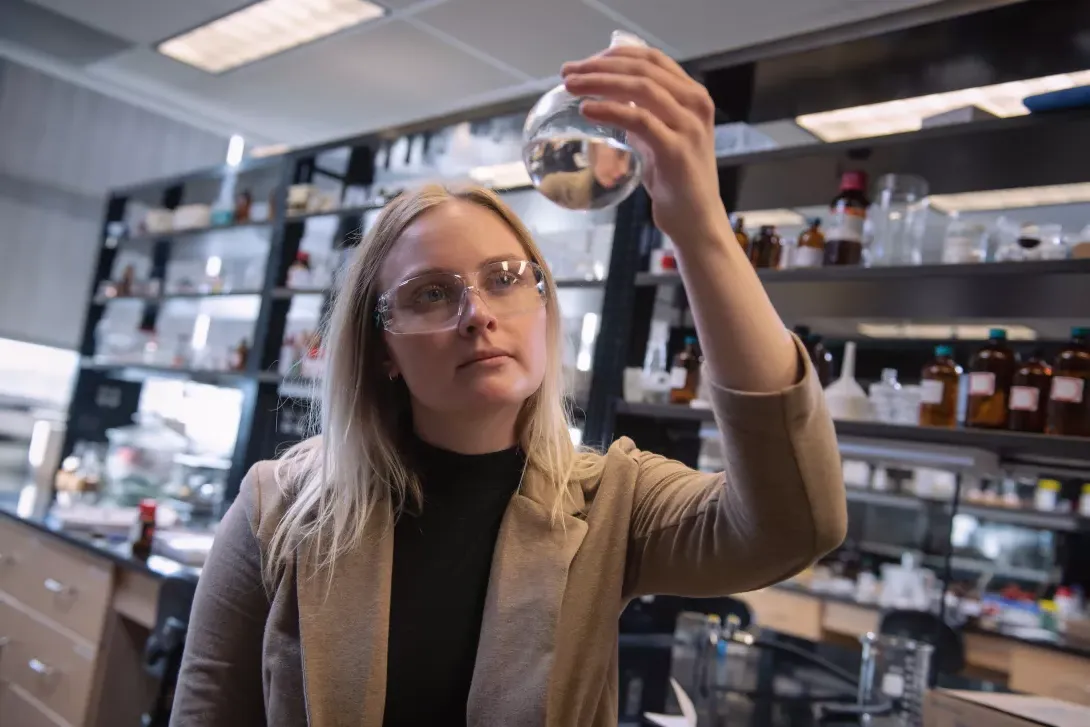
(685, 373)
(991, 371)
(811, 250)
(847, 216)
(1029, 394)
(820, 357)
(939, 382)
(764, 250)
(1069, 400)
(740, 232)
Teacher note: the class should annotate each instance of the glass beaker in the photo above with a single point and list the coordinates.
(895, 670)
(575, 162)
(898, 219)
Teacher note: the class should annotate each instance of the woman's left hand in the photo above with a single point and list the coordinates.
(670, 119)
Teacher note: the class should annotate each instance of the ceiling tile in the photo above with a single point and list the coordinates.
(44, 31)
(144, 21)
(534, 37)
(711, 26)
(346, 84)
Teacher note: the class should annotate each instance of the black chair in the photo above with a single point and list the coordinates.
(163, 651)
(949, 654)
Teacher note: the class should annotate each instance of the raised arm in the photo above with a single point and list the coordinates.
(778, 506)
(670, 120)
(220, 683)
(780, 503)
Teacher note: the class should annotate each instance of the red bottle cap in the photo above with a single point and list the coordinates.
(147, 509)
(853, 180)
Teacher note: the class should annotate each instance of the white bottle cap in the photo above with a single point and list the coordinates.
(624, 38)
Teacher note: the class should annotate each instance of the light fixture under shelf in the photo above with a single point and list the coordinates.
(907, 114)
(1004, 199)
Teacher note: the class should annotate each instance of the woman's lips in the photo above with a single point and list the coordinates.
(489, 361)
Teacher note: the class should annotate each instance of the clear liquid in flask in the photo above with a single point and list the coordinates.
(582, 172)
(575, 162)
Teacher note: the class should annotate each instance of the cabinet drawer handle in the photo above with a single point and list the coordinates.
(54, 586)
(41, 668)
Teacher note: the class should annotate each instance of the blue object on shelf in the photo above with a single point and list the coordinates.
(1068, 98)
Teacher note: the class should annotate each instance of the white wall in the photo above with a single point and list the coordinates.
(62, 148)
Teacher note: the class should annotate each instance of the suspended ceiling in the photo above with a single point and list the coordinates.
(425, 58)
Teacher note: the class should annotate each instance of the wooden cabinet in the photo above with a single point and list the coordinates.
(19, 709)
(849, 620)
(45, 663)
(59, 661)
(1050, 674)
(988, 652)
(791, 613)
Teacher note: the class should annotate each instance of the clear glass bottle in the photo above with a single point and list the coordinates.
(899, 219)
(883, 395)
(1029, 395)
(965, 242)
(991, 372)
(579, 164)
(1069, 399)
(939, 383)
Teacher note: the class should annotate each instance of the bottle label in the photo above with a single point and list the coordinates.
(847, 223)
(981, 383)
(1067, 388)
(678, 374)
(931, 391)
(808, 257)
(1024, 398)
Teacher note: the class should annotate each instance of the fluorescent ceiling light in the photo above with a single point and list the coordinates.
(895, 117)
(1001, 199)
(269, 150)
(234, 150)
(263, 29)
(775, 218)
(944, 332)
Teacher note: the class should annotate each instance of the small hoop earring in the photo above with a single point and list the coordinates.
(392, 376)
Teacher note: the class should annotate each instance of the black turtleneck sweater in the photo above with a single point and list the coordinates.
(442, 559)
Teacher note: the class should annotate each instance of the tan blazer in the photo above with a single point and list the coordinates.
(547, 653)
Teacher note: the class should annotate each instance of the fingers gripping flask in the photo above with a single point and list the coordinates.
(575, 162)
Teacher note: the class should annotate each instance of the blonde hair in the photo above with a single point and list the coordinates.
(355, 469)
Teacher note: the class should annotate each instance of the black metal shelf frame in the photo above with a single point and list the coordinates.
(1026, 289)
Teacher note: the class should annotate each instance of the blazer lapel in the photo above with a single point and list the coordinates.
(525, 592)
(344, 625)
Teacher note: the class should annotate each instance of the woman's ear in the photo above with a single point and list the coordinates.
(392, 371)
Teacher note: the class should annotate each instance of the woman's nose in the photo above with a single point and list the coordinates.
(476, 315)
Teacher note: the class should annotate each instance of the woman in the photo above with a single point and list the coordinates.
(443, 554)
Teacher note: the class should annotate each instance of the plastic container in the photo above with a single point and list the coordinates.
(845, 398)
(898, 219)
(883, 396)
(965, 242)
(140, 459)
(577, 163)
